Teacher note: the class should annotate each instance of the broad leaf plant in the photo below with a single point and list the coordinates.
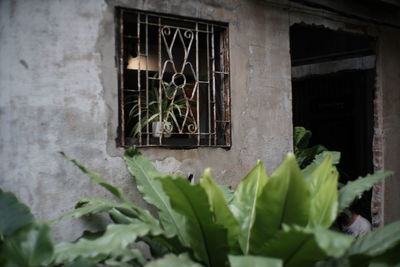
(282, 219)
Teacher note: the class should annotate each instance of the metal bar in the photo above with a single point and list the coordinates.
(208, 88)
(130, 36)
(197, 85)
(220, 24)
(213, 84)
(160, 79)
(121, 78)
(138, 78)
(147, 80)
(227, 97)
(180, 27)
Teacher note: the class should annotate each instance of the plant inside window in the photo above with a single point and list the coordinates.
(173, 81)
(164, 112)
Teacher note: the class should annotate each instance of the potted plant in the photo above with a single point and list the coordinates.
(161, 113)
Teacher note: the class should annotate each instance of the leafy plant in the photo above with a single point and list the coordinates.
(277, 220)
(23, 240)
(303, 152)
(167, 108)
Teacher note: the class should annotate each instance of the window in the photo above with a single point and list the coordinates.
(173, 81)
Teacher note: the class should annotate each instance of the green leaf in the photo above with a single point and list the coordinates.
(81, 263)
(95, 177)
(253, 261)
(153, 193)
(334, 244)
(228, 193)
(207, 239)
(219, 207)
(121, 218)
(122, 257)
(324, 196)
(306, 155)
(88, 206)
(284, 200)
(30, 245)
(390, 257)
(170, 260)
(115, 239)
(144, 215)
(376, 242)
(307, 171)
(301, 137)
(245, 201)
(13, 214)
(300, 246)
(158, 242)
(352, 190)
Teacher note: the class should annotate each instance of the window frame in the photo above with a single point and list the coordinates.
(218, 82)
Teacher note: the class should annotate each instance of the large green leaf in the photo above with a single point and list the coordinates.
(88, 206)
(390, 257)
(323, 190)
(321, 157)
(171, 260)
(376, 242)
(81, 263)
(298, 246)
(352, 190)
(253, 261)
(112, 243)
(151, 188)
(124, 257)
(159, 243)
(245, 201)
(284, 200)
(95, 177)
(208, 240)
(144, 215)
(30, 245)
(221, 213)
(13, 214)
(228, 192)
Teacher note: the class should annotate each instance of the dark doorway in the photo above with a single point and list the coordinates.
(333, 80)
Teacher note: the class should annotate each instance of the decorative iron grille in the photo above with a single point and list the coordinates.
(173, 81)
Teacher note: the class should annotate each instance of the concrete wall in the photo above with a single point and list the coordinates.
(389, 87)
(58, 92)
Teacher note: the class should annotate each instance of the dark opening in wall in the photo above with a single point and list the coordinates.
(333, 78)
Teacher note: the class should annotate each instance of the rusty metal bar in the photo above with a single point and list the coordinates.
(208, 88)
(138, 78)
(197, 86)
(159, 15)
(213, 86)
(147, 79)
(227, 91)
(159, 77)
(121, 79)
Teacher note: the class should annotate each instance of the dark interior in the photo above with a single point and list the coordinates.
(337, 107)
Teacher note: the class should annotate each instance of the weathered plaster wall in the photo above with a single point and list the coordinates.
(389, 86)
(58, 91)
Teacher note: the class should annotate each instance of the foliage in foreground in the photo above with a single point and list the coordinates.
(277, 220)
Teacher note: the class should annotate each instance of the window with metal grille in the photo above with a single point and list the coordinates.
(173, 81)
